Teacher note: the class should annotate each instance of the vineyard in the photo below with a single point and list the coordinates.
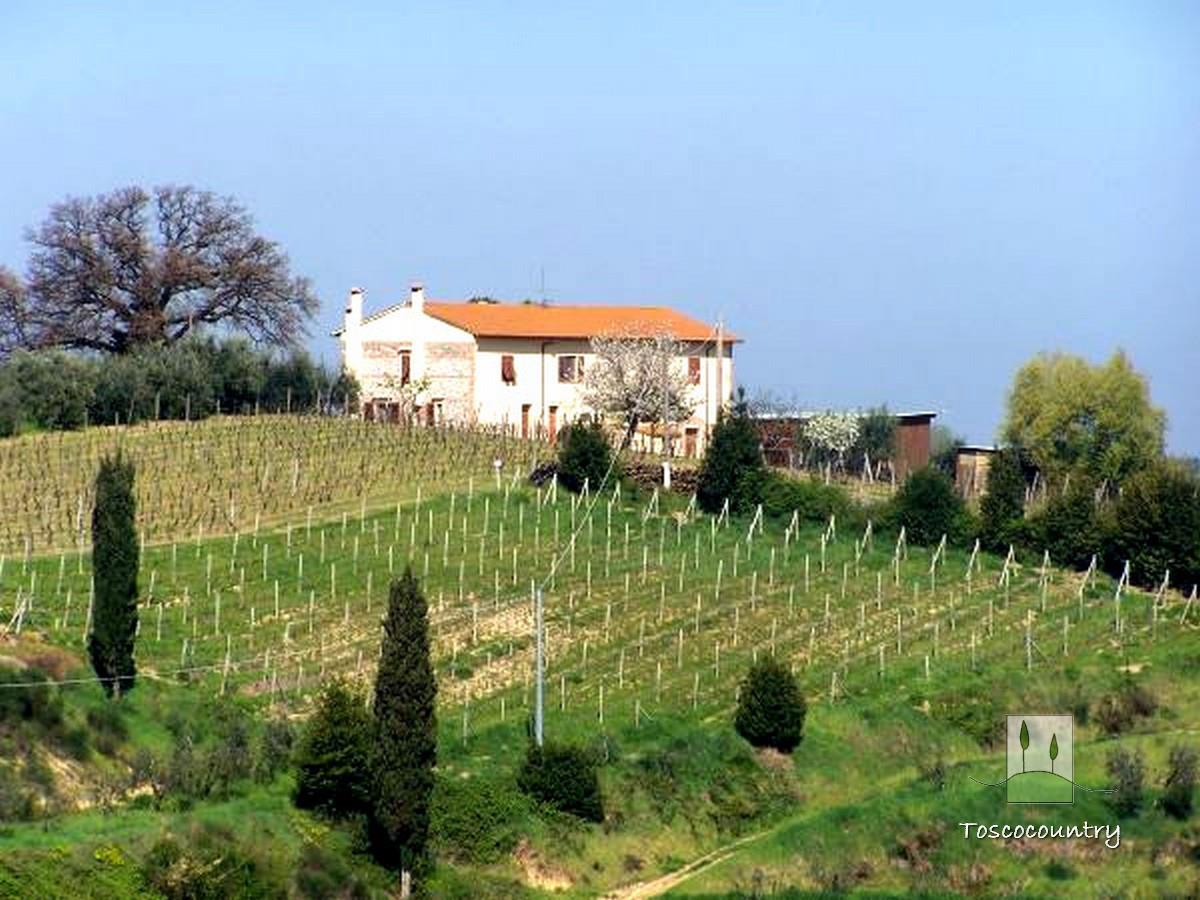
(233, 473)
(649, 609)
(653, 612)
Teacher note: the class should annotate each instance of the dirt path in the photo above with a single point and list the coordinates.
(664, 883)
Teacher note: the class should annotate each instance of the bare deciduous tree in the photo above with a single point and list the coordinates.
(637, 376)
(14, 325)
(133, 267)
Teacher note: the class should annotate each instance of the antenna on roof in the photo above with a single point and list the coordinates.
(542, 285)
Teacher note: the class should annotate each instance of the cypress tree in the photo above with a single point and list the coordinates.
(733, 465)
(114, 576)
(405, 748)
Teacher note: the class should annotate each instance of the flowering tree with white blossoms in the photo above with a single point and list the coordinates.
(830, 435)
(636, 375)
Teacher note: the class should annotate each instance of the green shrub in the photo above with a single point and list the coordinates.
(186, 776)
(274, 749)
(814, 501)
(1127, 777)
(475, 821)
(35, 701)
(974, 708)
(230, 758)
(1116, 712)
(333, 755)
(1002, 508)
(1156, 527)
(1179, 784)
(320, 874)
(563, 777)
(108, 728)
(733, 465)
(77, 743)
(927, 507)
(584, 456)
(1069, 526)
(771, 709)
(212, 865)
(45, 390)
(17, 802)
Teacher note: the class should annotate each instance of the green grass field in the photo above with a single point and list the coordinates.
(910, 660)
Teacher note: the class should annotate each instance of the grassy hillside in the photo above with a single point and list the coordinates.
(910, 659)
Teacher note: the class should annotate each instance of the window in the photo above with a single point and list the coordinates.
(405, 367)
(508, 369)
(570, 369)
(693, 370)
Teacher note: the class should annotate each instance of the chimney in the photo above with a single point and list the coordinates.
(354, 309)
(416, 296)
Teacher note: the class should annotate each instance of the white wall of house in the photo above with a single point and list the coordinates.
(439, 353)
(537, 386)
(465, 373)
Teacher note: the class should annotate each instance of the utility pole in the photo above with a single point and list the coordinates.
(539, 666)
(666, 423)
(720, 364)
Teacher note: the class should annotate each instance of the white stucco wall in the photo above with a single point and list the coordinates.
(465, 373)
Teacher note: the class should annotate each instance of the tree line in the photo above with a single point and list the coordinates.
(193, 379)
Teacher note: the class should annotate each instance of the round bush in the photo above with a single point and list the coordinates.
(771, 708)
(927, 506)
(584, 455)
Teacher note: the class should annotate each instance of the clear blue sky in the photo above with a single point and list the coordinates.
(891, 202)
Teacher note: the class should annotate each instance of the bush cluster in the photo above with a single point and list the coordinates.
(1153, 523)
(476, 821)
(812, 500)
(218, 747)
(1127, 782)
(564, 777)
(51, 390)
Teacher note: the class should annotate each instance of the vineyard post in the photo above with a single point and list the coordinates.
(539, 664)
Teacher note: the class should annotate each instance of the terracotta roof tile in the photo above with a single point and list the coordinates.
(533, 320)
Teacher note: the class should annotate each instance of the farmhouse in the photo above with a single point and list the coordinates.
(518, 365)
